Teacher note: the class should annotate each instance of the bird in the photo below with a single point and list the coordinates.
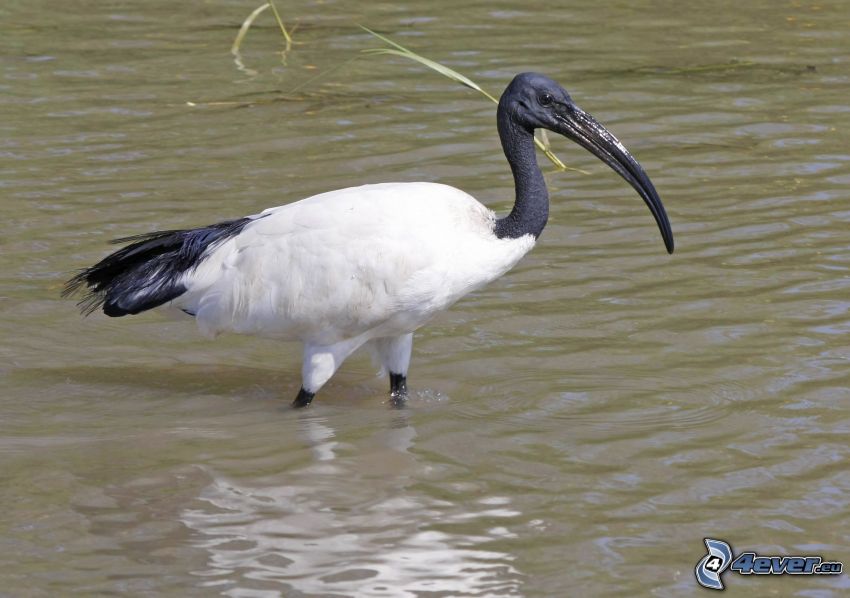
(361, 266)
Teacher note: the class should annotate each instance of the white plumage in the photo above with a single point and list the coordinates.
(342, 268)
(379, 258)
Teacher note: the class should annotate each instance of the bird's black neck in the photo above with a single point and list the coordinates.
(531, 207)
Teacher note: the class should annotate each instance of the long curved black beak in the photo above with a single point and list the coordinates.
(580, 127)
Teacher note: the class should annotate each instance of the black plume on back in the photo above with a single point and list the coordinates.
(147, 273)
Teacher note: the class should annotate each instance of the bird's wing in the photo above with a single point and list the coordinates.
(342, 263)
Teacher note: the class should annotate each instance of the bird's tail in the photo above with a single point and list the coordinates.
(148, 272)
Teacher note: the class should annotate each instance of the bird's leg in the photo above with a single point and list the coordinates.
(394, 352)
(398, 388)
(303, 399)
(320, 363)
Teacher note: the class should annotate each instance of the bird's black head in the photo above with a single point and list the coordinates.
(534, 101)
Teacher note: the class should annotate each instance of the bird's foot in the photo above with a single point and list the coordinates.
(398, 390)
(303, 399)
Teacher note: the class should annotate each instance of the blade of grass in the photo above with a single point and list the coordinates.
(246, 25)
(399, 50)
(324, 73)
(435, 66)
(283, 30)
(243, 31)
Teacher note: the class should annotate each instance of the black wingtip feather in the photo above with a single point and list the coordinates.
(148, 272)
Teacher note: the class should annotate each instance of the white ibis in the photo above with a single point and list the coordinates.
(363, 265)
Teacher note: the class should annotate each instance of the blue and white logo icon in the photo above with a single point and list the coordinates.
(720, 559)
(708, 570)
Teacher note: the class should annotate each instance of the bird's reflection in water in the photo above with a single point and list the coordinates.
(316, 434)
(350, 522)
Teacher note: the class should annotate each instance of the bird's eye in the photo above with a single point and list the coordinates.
(545, 99)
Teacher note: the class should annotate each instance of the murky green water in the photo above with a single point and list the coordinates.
(576, 428)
